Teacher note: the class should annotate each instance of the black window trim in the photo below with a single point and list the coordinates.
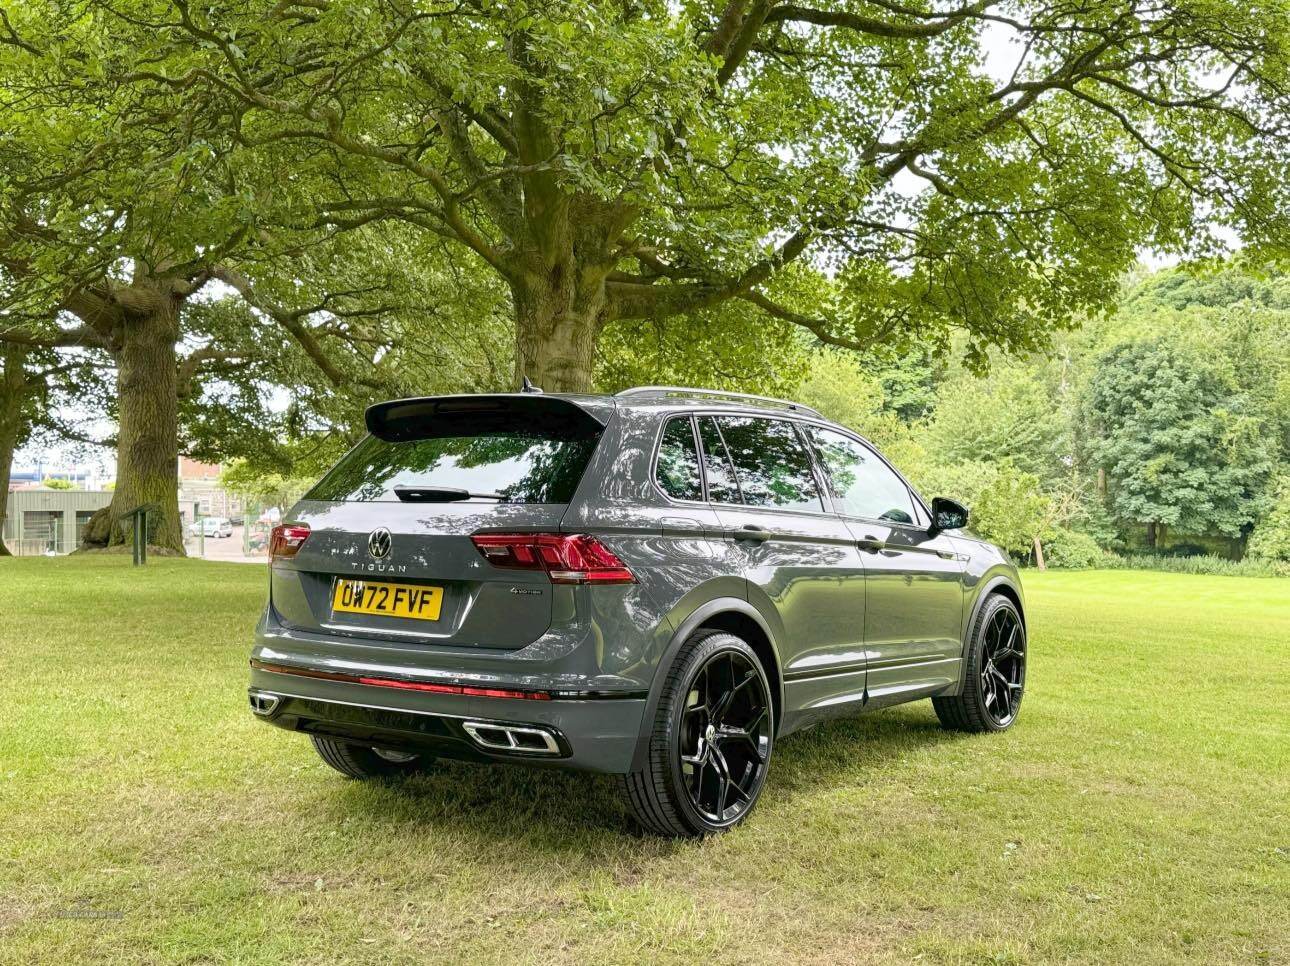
(825, 484)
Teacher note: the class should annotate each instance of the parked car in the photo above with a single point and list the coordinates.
(211, 527)
(659, 584)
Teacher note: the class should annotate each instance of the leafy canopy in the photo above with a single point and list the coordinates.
(644, 159)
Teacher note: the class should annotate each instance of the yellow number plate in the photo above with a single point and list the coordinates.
(387, 600)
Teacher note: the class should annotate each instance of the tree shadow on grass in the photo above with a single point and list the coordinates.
(575, 813)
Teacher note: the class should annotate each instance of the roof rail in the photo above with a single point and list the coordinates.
(719, 393)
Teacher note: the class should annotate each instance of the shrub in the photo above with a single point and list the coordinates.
(1209, 564)
(1072, 550)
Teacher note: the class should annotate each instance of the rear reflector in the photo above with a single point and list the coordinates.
(287, 538)
(567, 558)
(468, 690)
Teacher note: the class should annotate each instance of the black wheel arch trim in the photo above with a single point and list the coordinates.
(695, 620)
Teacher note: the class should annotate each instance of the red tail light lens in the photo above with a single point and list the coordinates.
(568, 558)
(286, 539)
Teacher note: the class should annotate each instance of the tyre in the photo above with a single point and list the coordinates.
(362, 761)
(711, 742)
(996, 672)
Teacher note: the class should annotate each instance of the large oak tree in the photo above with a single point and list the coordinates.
(873, 170)
(119, 215)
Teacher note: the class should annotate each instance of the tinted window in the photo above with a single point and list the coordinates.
(522, 466)
(716, 463)
(864, 485)
(678, 461)
(771, 464)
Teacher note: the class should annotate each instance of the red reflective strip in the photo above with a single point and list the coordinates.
(464, 689)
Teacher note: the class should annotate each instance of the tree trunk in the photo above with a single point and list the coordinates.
(1039, 555)
(1151, 536)
(556, 328)
(13, 387)
(147, 469)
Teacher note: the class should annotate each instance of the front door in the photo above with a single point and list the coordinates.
(800, 560)
(914, 577)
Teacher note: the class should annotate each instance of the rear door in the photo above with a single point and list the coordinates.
(797, 557)
(392, 522)
(913, 622)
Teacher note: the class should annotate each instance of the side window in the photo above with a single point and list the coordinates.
(865, 486)
(771, 464)
(678, 461)
(716, 463)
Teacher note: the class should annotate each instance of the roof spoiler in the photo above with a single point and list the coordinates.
(427, 417)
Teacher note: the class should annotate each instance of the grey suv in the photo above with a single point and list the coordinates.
(658, 584)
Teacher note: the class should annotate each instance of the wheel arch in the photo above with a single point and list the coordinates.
(1003, 585)
(733, 616)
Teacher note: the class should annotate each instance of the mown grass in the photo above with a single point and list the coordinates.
(1138, 812)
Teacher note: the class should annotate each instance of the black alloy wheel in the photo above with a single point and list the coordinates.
(1003, 670)
(995, 678)
(711, 740)
(724, 738)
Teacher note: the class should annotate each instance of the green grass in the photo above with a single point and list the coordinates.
(1139, 811)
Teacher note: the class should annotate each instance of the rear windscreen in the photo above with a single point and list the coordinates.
(521, 465)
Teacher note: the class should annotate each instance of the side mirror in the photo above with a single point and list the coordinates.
(948, 514)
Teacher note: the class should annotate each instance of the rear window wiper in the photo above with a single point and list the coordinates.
(440, 494)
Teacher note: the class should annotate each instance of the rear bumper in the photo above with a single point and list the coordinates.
(589, 733)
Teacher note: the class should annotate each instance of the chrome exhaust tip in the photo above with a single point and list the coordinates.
(522, 739)
(264, 704)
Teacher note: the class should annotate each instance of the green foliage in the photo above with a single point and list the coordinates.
(1200, 564)
(275, 489)
(727, 347)
(1073, 550)
(1007, 505)
(1179, 442)
(628, 161)
(1271, 538)
(55, 483)
(1006, 415)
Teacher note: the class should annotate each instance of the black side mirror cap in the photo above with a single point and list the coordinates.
(948, 514)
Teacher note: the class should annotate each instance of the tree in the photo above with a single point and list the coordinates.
(1009, 414)
(34, 384)
(1007, 505)
(1271, 539)
(118, 218)
(1176, 440)
(642, 160)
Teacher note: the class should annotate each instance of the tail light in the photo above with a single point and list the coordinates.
(286, 539)
(568, 558)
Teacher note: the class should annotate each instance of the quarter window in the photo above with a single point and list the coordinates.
(864, 485)
(678, 461)
(771, 464)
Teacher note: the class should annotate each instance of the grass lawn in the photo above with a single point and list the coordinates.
(1139, 811)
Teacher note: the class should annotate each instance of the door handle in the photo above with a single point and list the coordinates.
(871, 543)
(750, 531)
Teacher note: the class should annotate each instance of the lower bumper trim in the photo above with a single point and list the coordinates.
(451, 736)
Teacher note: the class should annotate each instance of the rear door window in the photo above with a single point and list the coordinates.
(678, 461)
(498, 465)
(771, 464)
